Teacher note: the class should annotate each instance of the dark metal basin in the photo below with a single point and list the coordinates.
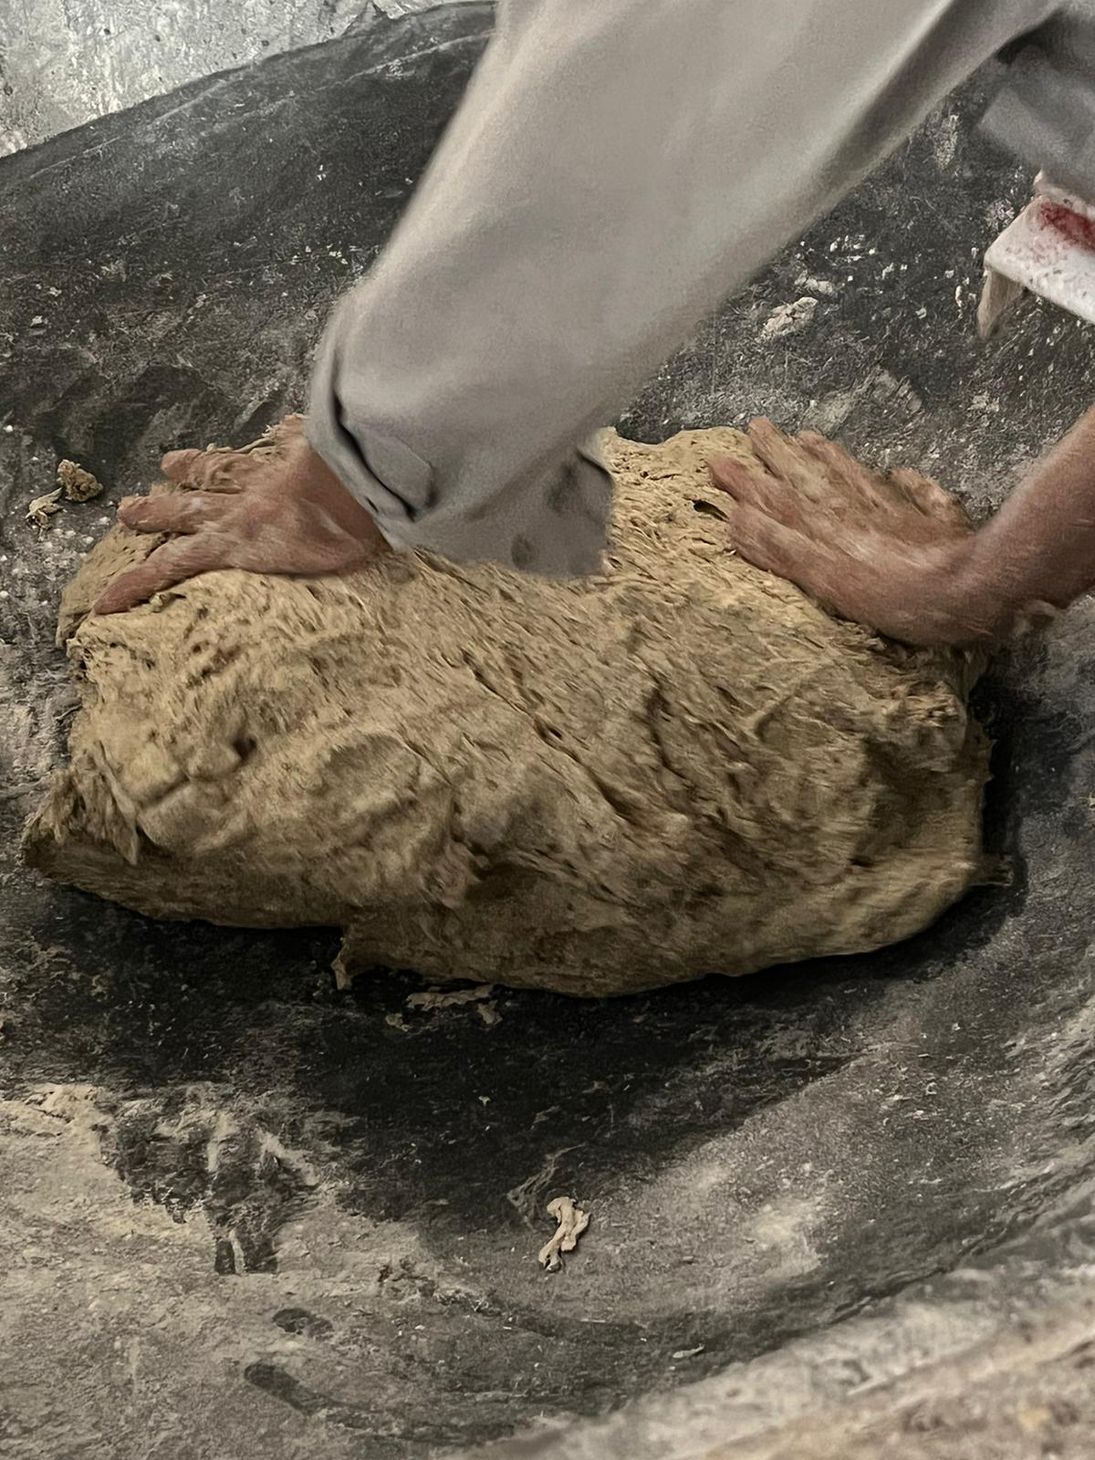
(255, 1216)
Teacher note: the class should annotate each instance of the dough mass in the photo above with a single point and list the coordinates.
(681, 767)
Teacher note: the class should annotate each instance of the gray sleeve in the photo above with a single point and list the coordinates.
(1045, 111)
(615, 168)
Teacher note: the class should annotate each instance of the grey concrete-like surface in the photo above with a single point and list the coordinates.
(835, 1209)
(65, 62)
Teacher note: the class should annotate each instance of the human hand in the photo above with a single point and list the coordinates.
(272, 508)
(893, 552)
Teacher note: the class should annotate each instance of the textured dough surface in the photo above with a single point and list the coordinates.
(680, 767)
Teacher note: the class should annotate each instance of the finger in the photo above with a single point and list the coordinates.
(172, 512)
(182, 558)
(850, 479)
(785, 459)
(781, 550)
(178, 464)
(845, 587)
(212, 471)
(902, 503)
(929, 497)
(754, 487)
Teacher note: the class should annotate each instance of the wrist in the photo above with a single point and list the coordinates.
(330, 495)
(993, 603)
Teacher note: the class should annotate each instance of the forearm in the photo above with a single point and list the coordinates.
(615, 169)
(1040, 546)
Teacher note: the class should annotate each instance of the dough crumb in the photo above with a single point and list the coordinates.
(431, 999)
(344, 978)
(572, 1222)
(77, 484)
(788, 319)
(41, 509)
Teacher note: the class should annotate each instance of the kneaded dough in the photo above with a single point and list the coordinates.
(680, 767)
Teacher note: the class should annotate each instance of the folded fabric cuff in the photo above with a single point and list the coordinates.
(552, 522)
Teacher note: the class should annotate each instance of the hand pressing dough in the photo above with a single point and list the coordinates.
(680, 767)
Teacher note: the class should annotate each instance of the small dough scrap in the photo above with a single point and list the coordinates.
(77, 484)
(681, 766)
(41, 509)
(573, 1221)
(433, 999)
